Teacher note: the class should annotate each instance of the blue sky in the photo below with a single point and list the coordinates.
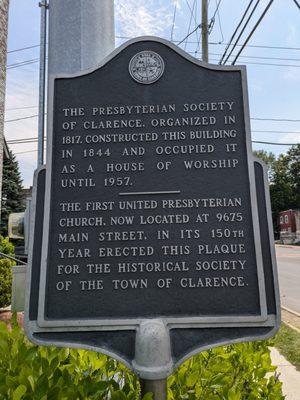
(274, 91)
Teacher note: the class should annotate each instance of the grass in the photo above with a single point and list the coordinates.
(287, 341)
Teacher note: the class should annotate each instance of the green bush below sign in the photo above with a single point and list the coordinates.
(28, 372)
(5, 272)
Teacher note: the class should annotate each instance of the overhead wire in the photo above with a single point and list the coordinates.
(198, 35)
(252, 141)
(235, 31)
(265, 64)
(212, 20)
(263, 58)
(23, 48)
(217, 8)
(35, 139)
(197, 27)
(23, 63)
(23, 152)
(216, 44)
(242, 31)
(20, 108)
(274, 143)
(253, 118)
(276, 119)
(297, 4)
(21, 118)
(212, 43)
(220, 25)
(253, 30)
(191, 17)
(275, 131)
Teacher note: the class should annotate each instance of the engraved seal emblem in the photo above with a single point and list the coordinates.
(146, 67)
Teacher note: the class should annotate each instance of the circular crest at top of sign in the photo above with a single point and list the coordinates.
(146, 67)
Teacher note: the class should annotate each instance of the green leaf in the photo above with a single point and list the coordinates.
(118, 395)
(233, 395)
(31, 381)
(19, 392)
(148, 396)
(192, 379)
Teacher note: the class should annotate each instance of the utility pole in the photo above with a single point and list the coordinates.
(204, 31)
(42, 81)
(4, 4)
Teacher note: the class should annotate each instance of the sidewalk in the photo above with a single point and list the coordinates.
(289, 376)
(291, 318)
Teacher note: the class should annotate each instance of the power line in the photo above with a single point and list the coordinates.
(297, 4)
(268, 64)
(191, 17)
(23, 63)
(272, 131)
(216, 10)
(20, 108)
(253, 30)
(275, 144)
(23, 48)
(19, 119)
(193, 10)
(212, 43)
(263, 58)
(235, 31)
(253, 141)
(258, 119)
(276, 119)
(23, 152)
(220, 25)
(35, 139)
(197, 27)
(271, 58)
(198, 33)
(213, 18)
(242, 31)
(22, 141)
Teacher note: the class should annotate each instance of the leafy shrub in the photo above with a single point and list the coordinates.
(29, 372)
(5, 272)
(237, 372)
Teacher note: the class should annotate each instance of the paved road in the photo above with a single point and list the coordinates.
(288, 262)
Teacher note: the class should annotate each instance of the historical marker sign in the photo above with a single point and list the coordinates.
(151, 204)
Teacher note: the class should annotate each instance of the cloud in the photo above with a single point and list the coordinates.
(292, 38)
(292, 137)
(138, 17)
(291, 74)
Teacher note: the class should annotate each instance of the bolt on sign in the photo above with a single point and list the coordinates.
(152, 234)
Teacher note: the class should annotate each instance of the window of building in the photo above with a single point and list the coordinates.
(286, 219)
(281, 219)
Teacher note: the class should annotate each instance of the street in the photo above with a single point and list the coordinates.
(288, 262)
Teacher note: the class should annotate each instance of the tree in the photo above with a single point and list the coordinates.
(269, 159)
(11, 191)
(285, 187)
(284, 178)
(293, 163)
